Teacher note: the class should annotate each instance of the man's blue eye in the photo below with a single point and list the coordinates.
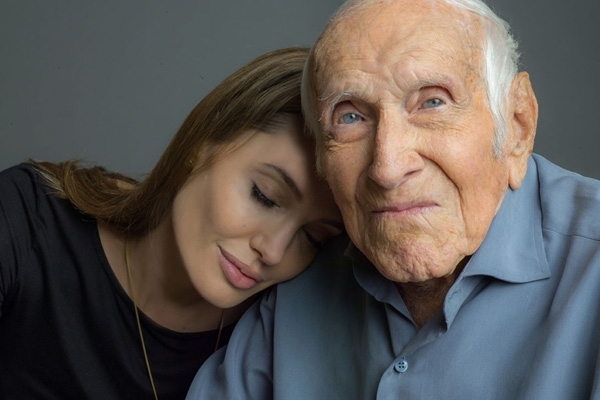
(350, 118)
(432, 103)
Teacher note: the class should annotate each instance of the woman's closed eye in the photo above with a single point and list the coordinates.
(262, 199)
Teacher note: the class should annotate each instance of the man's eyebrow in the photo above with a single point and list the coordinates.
(287, 179)
(333, 98)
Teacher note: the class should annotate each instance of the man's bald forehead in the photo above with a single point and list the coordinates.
(357, 20)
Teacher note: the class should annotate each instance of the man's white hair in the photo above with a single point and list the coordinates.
(500, 64)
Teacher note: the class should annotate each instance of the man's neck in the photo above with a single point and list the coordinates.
(425, 299)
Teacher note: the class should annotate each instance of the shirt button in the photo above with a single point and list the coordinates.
(401, 366)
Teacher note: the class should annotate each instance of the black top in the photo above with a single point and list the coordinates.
(67, 327)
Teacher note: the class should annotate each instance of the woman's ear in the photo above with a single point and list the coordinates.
(522, 118)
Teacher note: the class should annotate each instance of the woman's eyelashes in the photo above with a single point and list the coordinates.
(262, 199)
(315, 239)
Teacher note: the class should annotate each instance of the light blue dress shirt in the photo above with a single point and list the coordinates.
(521, 322)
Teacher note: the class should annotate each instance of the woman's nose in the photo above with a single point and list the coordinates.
(271, 243)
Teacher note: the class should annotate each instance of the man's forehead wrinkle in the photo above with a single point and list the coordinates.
(346, 61)
(470, 32)
(401, 69)
(348, 37)
(386, 41)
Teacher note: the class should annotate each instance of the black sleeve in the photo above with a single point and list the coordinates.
(19, 191)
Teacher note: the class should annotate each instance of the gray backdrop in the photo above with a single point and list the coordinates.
(111, 81)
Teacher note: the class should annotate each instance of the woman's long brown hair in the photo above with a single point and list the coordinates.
(254, 97)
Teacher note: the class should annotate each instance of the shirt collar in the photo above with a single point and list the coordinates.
(513, 249)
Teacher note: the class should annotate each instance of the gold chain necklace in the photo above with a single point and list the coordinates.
(139, 325)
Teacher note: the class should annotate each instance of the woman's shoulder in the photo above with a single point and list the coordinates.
(20, 187)
(21, 171)
(28, 203)
(20, 190)
(24, 178)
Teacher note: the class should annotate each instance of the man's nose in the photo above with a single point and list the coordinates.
(395, 156)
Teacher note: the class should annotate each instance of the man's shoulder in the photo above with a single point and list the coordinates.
(330, 262)
(570, 202)
(329, 276)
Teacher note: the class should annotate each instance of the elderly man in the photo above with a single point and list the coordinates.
(474, 268)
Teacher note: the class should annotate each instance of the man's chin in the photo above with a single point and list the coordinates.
(405, 270)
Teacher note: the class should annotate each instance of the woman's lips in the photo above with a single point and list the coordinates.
(237, 273)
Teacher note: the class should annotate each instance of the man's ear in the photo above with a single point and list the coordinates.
(522, 115)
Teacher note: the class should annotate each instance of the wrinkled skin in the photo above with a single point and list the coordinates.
(408, 136)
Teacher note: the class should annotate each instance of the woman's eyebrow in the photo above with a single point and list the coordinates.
(287, 179)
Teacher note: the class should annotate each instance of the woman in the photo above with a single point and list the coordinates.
(233, 206)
